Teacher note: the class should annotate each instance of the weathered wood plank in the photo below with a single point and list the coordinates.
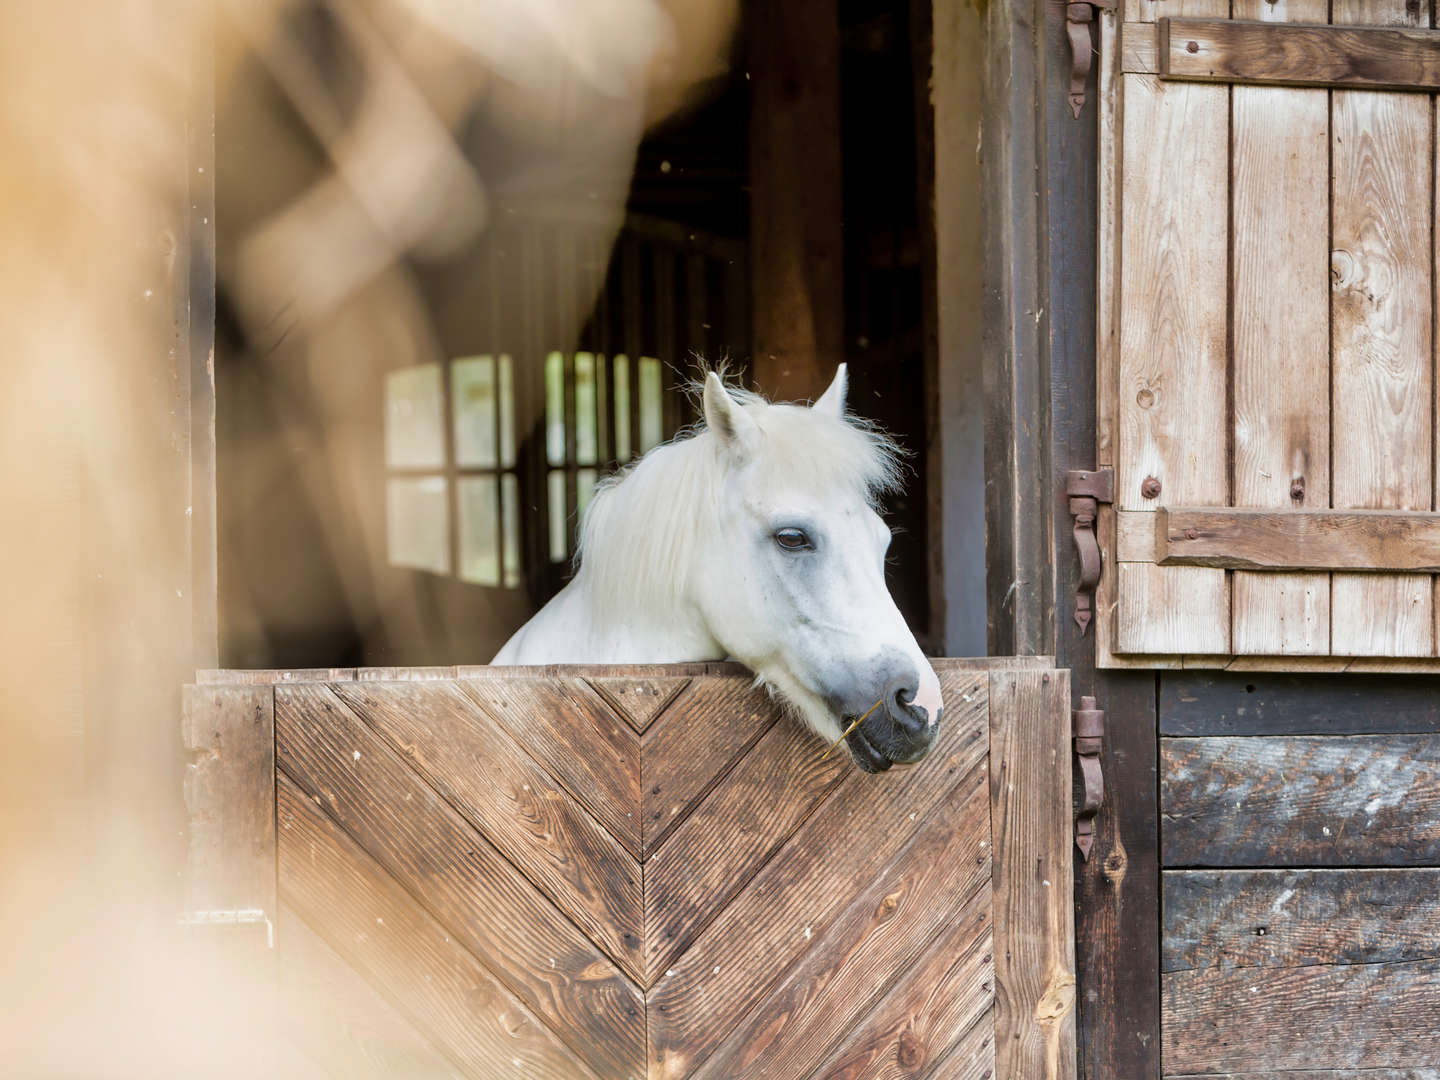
(731, 834)
(930, 1009)
(1280, 337)
(1368, 1016)
(1357, 540)
(639, 700)
(568, 729)
(379, 929)
(516, 805)
(484, 903)
(229, 735)
(1316, 1074)
(1382, 392)
(804, 885)
(1301, 801)
(1260, 52)
(938, 885)
(1297, 918)
(1031, 825)
(1148, 11)
(1221, 704)
(1173, 343)
(711, 724)
(343, 1023)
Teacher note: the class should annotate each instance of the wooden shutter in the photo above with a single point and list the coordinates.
(1266, 366)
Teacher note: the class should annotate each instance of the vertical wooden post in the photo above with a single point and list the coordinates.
(1033, 880)
(797, 277)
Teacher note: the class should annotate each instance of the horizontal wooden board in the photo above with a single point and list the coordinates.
(1262, 539)
(1300, 801)
(1292, 54)
(1299, 918)
(1219, 703)
(1342, 1016)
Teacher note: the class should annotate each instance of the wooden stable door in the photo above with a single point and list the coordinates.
(1266, 356)
(645, 872)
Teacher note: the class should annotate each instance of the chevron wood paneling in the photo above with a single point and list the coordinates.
(639, 874)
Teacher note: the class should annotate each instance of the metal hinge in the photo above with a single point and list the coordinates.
(1078, 17)
(1089, 733)
(1087, 488)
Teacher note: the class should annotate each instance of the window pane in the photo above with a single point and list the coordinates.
(651, 416)
(417, 523)
(587, 445)
(472, 389)
(479, 530)
(507, 413)
(622, 407)
(510, 515)
(558, 524)
(414, 431)
(584, 489)
(555, 408)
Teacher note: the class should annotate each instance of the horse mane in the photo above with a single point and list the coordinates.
(643, 521)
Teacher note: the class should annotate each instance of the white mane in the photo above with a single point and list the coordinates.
(642, 522)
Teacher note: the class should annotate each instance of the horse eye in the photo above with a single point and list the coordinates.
(793, 540)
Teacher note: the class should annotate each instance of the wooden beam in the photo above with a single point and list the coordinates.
(797, 274)
(1374, 58)
(1259, 539)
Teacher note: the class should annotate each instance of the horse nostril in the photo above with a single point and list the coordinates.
(907, 717)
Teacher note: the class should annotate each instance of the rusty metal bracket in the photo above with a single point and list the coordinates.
(1089, 733)
(1087, 488)
(1078, 17)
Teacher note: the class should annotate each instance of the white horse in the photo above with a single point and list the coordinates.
(755, 537)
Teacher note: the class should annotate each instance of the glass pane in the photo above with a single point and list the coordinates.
(479, 530)
(510, 518)
(558, 524)
(622, 407)
(507, 413)
(587, 445)
(555, 408)
(417, 523)
(651, 422)
(414, 428)
(472, 390)
(585, 489)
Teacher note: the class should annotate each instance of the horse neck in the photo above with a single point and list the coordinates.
(603, 633)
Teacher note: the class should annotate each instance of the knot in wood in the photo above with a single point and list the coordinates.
(911, 1052)
(1297, 489)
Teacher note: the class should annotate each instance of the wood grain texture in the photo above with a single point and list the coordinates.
(805, 885)
(1250, 52)
(1301, 801)
(1280, 387)
(1172, 362)
(346, 1027)
(485, 903)
(1383, 392)
(1323, 1074)
(939, 881)
(1216, 703)
(1030, 820)
(1148, 11)
(229, 737)
(516, 805)
(1299, 918)
(710, 725)
(1108, 191)
(733, 832)
(1358, 540)
(366, 917)
(1363, 1016)
(921, 1020)
(639, 700)
(577, 738)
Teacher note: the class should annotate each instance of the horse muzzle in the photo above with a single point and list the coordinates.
(901, 730)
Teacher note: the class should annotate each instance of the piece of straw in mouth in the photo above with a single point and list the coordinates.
(853, 725)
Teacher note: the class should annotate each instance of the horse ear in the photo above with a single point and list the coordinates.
(725, 417)
(833, 400)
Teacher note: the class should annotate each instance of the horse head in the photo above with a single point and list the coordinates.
(790, 578)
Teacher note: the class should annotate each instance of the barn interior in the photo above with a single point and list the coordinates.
(408, 432)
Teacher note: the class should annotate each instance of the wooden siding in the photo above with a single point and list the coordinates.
(1264, 342)
(518, 871)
